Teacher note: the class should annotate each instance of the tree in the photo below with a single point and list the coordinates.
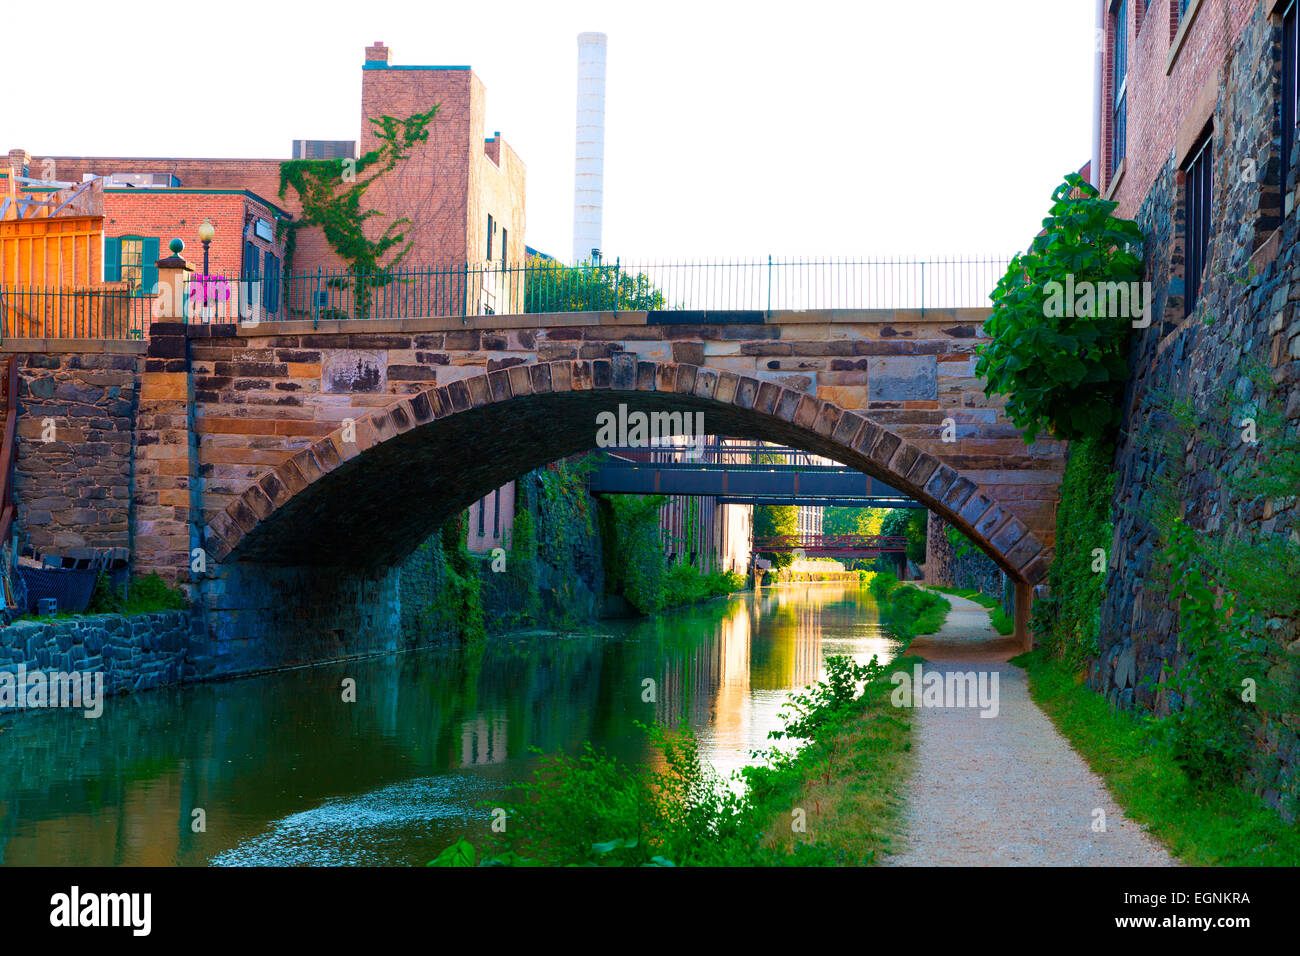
(1062, 317)
(551, 286)
(771, 521)
(909, 523)
(865, 521)
(856, 521)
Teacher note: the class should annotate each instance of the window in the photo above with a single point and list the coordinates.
(505, 245)
(133, 260)
(1290, 86)
(496, 513)
(1196, 227)
(251, 260)
(132, 264)
(271, 283)
(492, 228)
(481, 506)
(1119, 83)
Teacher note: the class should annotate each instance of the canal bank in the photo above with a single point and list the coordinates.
(287, 770)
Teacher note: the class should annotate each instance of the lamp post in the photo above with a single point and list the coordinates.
(206, 232)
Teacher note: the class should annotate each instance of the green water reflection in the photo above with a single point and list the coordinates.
(288, 773)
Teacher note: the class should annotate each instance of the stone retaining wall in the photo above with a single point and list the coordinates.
(1247, 316)
(945, 568)
(136, 652)
(76, 428)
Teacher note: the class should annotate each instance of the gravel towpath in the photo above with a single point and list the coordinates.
(1006, 790)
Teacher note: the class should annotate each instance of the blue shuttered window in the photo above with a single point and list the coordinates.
(133, 260)
(112, 259)
(149, 267)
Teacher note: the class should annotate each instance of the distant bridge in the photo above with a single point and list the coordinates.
(832, 545)
(729, 473)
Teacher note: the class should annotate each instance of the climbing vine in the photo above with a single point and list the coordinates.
(1069, 623)
(331, 193)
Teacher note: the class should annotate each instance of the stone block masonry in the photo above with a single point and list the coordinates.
(1247, 320)
(76, 432)
(136, 652)
(334, 450)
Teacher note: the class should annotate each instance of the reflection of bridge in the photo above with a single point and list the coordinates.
(832, 545)
(730, 473)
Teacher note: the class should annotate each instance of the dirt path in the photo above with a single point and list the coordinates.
(1005, 790)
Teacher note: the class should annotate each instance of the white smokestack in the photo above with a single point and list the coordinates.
(589, 167)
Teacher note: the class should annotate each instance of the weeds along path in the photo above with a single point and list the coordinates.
(1006, 790)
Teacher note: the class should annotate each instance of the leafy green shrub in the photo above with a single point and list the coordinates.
(908, 610)
(909, 523)
(461, 602)
(551, 286)
(634, 553)
(776, 521)
(683, 585)
(827, 702)
(1210, 734)
(1062, 371)
(594, 810)
(144, 595)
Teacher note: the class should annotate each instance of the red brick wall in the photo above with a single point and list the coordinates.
(177, 215)
(1160, 103)
(432, 187)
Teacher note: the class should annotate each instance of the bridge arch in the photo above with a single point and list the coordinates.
(371, 500)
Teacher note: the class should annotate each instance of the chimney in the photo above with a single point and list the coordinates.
(19, 161)
(589, 165)
(377, 53)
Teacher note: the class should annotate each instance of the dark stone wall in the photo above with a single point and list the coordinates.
(136, 652)
(974, 569)
(72, 473)
(254, 617)
(1246, 314)
(562, 584)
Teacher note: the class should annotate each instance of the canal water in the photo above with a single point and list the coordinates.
(287, 773)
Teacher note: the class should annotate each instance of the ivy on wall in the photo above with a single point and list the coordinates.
(331, 191)
(1070, 622)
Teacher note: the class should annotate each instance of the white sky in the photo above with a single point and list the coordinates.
(810, 128)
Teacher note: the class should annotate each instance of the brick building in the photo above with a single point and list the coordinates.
(1195, 139)
(462, 190)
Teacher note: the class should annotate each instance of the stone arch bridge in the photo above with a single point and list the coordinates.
(308, 460)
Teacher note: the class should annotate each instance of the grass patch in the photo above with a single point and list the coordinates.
(1219, 826)
(847, 782)
(145, 595)
(1003, 623)
(907, 610)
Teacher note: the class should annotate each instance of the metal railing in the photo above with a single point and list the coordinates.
(30, 312)
(548, 286)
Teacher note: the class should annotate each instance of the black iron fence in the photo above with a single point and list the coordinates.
(548, 286)
(29, 312)
(537, 286)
